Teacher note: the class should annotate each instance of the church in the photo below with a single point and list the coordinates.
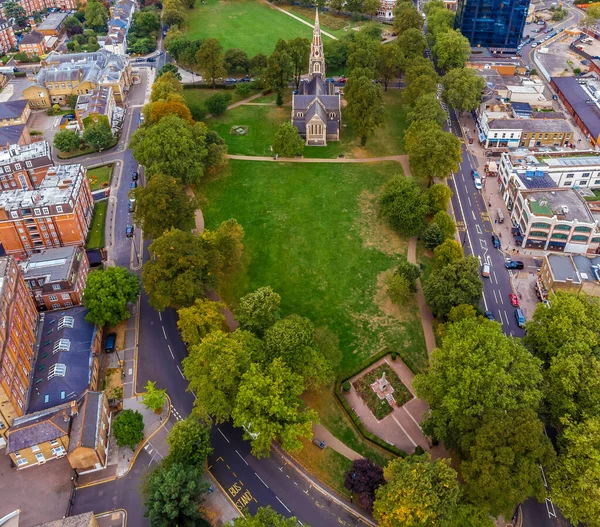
(316, 109)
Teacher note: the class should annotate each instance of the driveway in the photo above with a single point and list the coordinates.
(42, 122)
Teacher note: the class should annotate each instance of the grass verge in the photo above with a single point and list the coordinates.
(96, 235)
(86, 151)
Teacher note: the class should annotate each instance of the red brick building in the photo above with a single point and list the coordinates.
(57, 213)
(8, 40)
(18, 321)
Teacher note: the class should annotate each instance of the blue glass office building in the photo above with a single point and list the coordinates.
(492, 23)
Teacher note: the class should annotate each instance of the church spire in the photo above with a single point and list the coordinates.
(316, 64)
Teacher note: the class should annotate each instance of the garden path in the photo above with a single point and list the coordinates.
(298, 18)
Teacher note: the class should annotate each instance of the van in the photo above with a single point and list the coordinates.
(110, 344)
(500, 215)
(485, 270)
(520, 317)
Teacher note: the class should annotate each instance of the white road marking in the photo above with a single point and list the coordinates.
(171, 351)
(410, 415)
(544, 477)
(261, 480)
(473, 213)
(180, 371)
(405, 432)
(495, 277)
(241, 457)
(495, 297)
(164, 332)
(549, 505)
(506, 315)
(469, 201)
(284, 505)
(500, 317)
(160, 316)
(222, 434)
(501, 299)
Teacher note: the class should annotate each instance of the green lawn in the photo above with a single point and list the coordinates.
(195, 99)
(96, 235)
(313, 234)
(250, 25)
(100, 176)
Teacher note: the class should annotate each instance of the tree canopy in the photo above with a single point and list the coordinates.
(462, 89)
(363, 479)
(201, 318)
(451, 49)
(402, 205)
(427, 108)
(128, 428)
(287, 141)
(365, 106)
(259, 310)
(189, 442)
(98, 135)
(211, 61)
(66, 140)
(265, 517)
(406, 17)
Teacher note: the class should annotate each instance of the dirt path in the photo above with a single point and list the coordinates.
(198, 216)
(299, 19)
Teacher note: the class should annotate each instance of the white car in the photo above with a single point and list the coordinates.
(477, 181)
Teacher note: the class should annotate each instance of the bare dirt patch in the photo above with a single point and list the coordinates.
(383, 301)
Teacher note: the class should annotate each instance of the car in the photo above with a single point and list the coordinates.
(514, 300)
(70, 116)
(514, 264)
(151, 60)
(520, 318)
(485, 270)
(295, 92)
(534, 45)
(340, 93)
(129, 231)
(140, 60)
(490, 316)
(134, 176)
(160, 53)
(342, 80)
(133, 185)
(131, 206)
(246, 79)
(141, 117)
(496, 241)
(477, 182)
(111, 343)
(231, 80)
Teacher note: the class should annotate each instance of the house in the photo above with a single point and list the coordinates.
(118, 26)
(316, 109)
(33, 44)
(52, 25)
(14, 112)
(56, 277)
(69, 74)
(99, 103)
(56, 214)
(10, 136)
(386, 9)
(18, 329)
(37, 6)
(8, 40)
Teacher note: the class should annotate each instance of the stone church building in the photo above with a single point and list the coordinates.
(316, 110)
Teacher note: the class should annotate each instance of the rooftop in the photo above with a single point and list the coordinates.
(10, 135)
(23, 153)
(64, 361)
(53, 21)
(563, 268)
(53, 264)
(84, 431)
(95, 102)
(566, 204)
(34, 37)
(531, 125)
(12, 109)
(582, 102)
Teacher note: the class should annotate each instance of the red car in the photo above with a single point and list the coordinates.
(514, 300)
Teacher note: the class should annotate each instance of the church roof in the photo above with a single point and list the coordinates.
(315, 87)
(316, 109)
(331, 102)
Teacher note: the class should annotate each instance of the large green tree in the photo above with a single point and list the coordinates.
(438, 196)
(412, 43)
(448, 252)
(403, 206)
(298, 50)
(407, 17)
(96, 15)
(419, 87)
(128, 428)
(365, 106)
(287, 141)
(462, 89)
(477, 371)
(427, 108)
(432, 153)
(279, 71)
(418, 493)
(451, 49)
(200, 319)
(189, 442)
(259, 310)
(167, 87)
(236, 60)
(268, 406)
(98, 135)
(66, 140)
(16, 12)
(389, 64)
(161, 205)
(454, 284)
(107, 293)
(215, 367)
(211, 61)
(172, 495)
(265, 517)
(439, 20)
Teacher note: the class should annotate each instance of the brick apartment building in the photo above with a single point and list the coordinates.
(56, 214)
(31, 6)
(24, 167)
(8, 40)
(18, 321)
(33, 44)
(56, 278)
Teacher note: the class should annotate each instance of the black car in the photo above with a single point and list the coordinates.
(134, 176)
(133, 185)
(515, 231)
(129, 231)
(110, 344)
(496, 241)
(514, 264)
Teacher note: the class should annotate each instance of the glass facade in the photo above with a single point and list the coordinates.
(492, 23)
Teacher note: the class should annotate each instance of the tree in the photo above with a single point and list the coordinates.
(265, 517)
(418, 67)
(169, 67)
(259, 310)
(418, 493)
(236, 60)
(412, 43)
(502, 467)
(293, 340)
(299, 51)
(173, 493)
(451, 49)
(128, 428)
(215, 367)
(389, 63)
(98, 135)
(363, 479)
(211, 60)
(72, 26)
(476, 372)
(575, 477)
(72, 101)
(419, 87)
(406, 17)
(398, 289)
(433, 236)
(462, 89)
(438, 196)
(454, 284)
(445, 223)
(161, 205)
(172, 147)
(268, 406)
(167, 86)
(258, 63)
(439, 20)
(402, 205)
(410, 272)
(458, 313)
(370, 7)
(427, 108)
(278, 72)
(432, 152)
(363, 55)
(154, 398)
(16, 12)
(448, 252)
(189, 442)
(592, 15)
(155, 111)
(217, 103)
(107, 293)
(365, 106)
(173, 13)
(287, 141)
(200, 319)
(145, 22)
(216, 146)
(66, 140)
(96, 16)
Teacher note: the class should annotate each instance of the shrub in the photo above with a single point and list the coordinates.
(128, 428)
(244, 89)
(346, 386)
(394, 355)
(217, 103)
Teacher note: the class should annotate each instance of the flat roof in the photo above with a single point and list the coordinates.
(585, 266)
(53, 21)
(581, 103)
(563, 268)
(531, 125)
(54, 264)
(553, 203)
(22, 153)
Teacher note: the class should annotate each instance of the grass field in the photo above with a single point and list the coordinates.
(250, 25)
(96, 235)
(195, 99)
(100, 176)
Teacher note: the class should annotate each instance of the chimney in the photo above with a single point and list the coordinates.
(74, 408)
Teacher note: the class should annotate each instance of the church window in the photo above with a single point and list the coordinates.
(299, 114)
(332, 115)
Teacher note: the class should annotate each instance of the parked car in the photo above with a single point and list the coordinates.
(129, 231)
(133, 185)
(245, 79)
(231, 80)
(134, 176)
(342, 80)
(111, 343)
(514, 264)
(131, 206)
(151, 60)
(514, 300)
(485, 270)
(490, 316)
(477, 182)
(520, 318)
(496, 241)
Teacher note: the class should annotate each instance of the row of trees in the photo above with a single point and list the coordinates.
(143, 34)
(256, 375)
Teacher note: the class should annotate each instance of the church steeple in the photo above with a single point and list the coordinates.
(316, 64)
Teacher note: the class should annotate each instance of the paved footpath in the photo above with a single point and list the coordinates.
(298, 18)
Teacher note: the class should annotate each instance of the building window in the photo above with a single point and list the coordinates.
(561, 227)
(54, 442)
(62, 345)
(579, 238)
(568, 176)
(37, 212)
(22, 462)
(56, 287)
(583, 183)
(567, 184)
(46, 398)
(585, 174)
(53, 298)
(35, 448)
(559, 236)
(45, 210)
(59, 451)
(55, 306)
(68, 304)
(66, 321)
(540, 225)
(581, 228)
(14, 214)
(63, 394)
(538, 234)
(40, 458)
(59, 208)
(595, 240)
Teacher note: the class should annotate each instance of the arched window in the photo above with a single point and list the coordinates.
(317, 67)
(332, 115)
(299, 114)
